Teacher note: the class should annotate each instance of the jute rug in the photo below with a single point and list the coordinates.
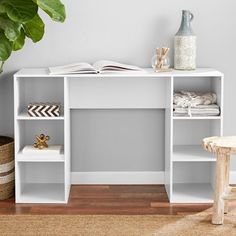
(110, 225)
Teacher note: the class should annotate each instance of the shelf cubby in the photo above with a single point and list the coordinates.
(191, 132)
(192, 193)
(40, 183)
(193, 183)
(42, 193)
(202, 84)
(37, 89)
(28, 129)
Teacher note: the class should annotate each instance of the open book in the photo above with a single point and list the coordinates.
(98, 67)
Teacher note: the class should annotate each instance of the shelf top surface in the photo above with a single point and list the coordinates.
(24, 116)
(191, 153)
(148, 72)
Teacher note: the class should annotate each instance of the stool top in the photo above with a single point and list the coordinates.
(220, 144)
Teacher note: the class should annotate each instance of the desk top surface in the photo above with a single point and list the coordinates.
(148, 72)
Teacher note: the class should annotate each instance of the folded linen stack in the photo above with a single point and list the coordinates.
(195, 104)
(200, 110)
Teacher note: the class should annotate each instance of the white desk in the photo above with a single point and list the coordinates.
(47, 179)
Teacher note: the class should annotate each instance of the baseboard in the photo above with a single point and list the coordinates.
(125, 177)
(118, 177)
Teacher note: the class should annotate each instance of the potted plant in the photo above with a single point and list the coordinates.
(20, 19)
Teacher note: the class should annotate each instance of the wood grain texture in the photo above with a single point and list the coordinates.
(218, 208)
(223, 144)
(227, 170)
(109, 199)
(223, 147)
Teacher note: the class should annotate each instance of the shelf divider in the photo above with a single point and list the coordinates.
(24, 116)
(191, 153)
(197, 117)
(40, 157)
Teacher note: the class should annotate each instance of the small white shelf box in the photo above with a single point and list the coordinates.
(41, 178)
(193, 182)
(40, 182)
(189, 170)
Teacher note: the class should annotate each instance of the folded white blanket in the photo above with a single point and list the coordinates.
(192, 99)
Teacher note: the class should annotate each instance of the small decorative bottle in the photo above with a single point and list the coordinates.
(185, 44)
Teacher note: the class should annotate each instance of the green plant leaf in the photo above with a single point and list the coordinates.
(5, 47)
(19, 42)
(54, 8)
(34, 28)
(19, 10)
(11, 28)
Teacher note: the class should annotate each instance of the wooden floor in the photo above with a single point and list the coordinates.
(104, 199)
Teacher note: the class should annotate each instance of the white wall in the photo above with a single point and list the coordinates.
(129, 31)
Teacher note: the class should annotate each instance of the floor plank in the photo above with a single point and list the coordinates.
(109, 199)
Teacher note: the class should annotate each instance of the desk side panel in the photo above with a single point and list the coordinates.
(169, 138)
(67, 141)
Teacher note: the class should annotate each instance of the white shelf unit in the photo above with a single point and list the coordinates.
(41, 178)
(189, 170)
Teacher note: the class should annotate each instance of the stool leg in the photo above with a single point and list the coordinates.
(218, 207)
(227, 171)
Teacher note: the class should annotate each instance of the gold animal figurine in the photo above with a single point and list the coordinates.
(41, 141)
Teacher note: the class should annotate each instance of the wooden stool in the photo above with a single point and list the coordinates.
(223, 147)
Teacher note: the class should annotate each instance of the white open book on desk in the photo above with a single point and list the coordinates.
(98, 67)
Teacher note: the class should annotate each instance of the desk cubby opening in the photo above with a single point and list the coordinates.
(40, 183)
(202, 85)
(188, 136)
(193, 182)
(191, 132)
(27, 129)
(38, 89)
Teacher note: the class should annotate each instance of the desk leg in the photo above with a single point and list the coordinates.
(218, 208)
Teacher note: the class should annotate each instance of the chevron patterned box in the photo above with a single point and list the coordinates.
(44, 109)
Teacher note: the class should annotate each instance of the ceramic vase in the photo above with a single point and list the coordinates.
(185, 44)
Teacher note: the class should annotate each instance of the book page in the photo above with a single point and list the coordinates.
(104, 65)
(72, 69)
